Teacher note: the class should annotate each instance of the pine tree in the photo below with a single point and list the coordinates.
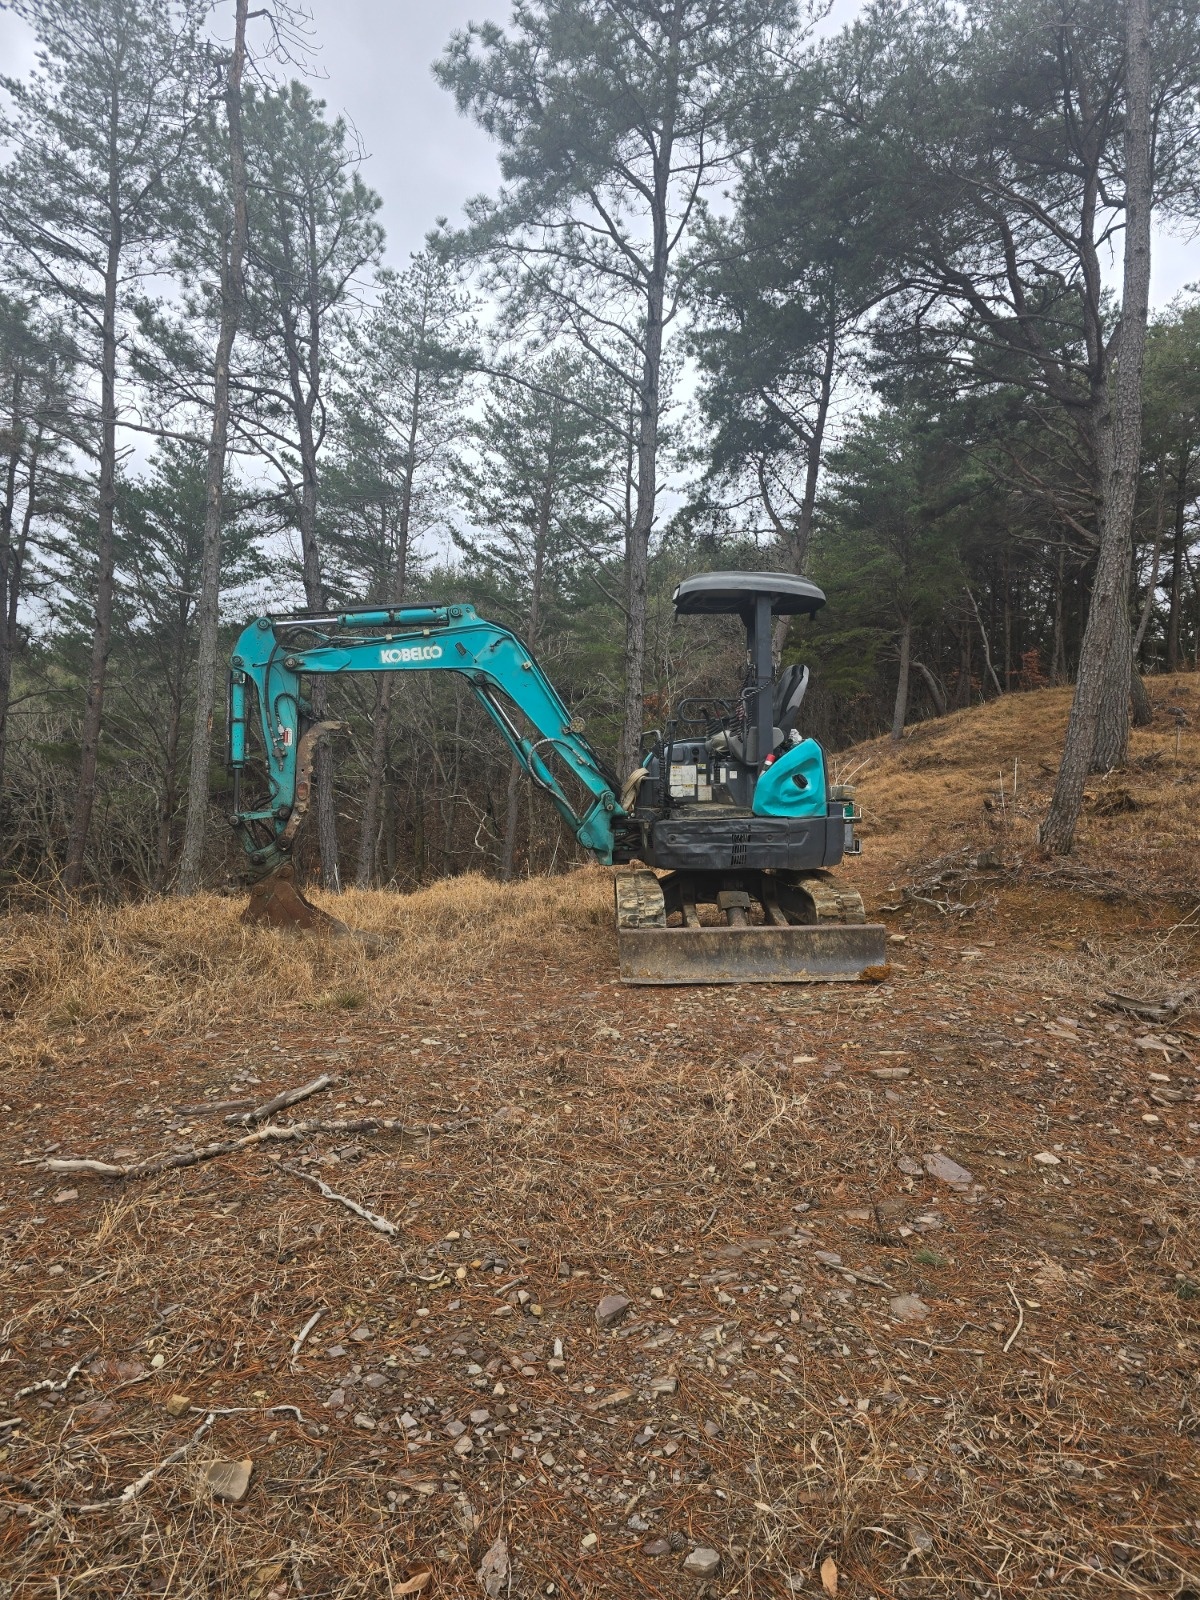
(162, 546)
(535, 494)
(232, 234)
(612, 118)
(104, 119)
(400, 397)
(312, 234)
(36, 402)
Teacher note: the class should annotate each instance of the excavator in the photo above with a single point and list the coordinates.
(723, 835)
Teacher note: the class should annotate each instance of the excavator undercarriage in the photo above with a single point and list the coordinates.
(752, 927)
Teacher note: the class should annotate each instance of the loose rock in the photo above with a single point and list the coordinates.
(493, 1571)
(946, 1171)
(617, 1398)
(228, 1480)
(702, 1562)
(908, 1307)
(611, 1309)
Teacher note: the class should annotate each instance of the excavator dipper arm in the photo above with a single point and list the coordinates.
(273, 654)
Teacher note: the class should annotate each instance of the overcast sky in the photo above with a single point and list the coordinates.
(424, 159)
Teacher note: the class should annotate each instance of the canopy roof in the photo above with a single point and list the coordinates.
(735, 593)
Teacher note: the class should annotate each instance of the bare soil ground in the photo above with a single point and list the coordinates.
(845, 1365)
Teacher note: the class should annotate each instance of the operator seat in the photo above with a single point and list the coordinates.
(790, 690)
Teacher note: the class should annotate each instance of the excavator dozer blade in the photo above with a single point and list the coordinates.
(276, 902)
(842, 953)
(834, 948)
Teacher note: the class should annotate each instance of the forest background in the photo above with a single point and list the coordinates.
(752, 290)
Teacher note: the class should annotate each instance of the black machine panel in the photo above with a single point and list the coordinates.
(715, 844)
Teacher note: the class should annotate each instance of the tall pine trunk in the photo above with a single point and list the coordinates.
(169, 798)
(801, 532)
(393, 596)
(1174, 661)
(1110, 748)
(533, 628)
(511, 811)
(1099, 722)
(376, 764)
(93, 710)
(305, 388)
(208, 604)
(9, 585)
(1058, 653)
(900, 710)
(14, 581)
(637, 549)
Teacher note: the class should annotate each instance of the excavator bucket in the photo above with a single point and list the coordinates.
(834, 944)
(277, 902)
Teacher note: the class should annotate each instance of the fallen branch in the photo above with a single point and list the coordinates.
(946, 907)
(298, 1342)
(1008, 1343)
(50, 1385)
(380, 1224)
(286, 1132)
(131, 1490)
(212, 1108)
(289, 1097)
(860, 1277)
(242, 1411)
(1153, 1010)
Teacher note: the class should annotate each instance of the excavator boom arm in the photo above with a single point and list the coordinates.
(273, 654)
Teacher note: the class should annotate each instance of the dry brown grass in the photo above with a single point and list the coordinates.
(730, 1160)
(940, 790)
(166, 967)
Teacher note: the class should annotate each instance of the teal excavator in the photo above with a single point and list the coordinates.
(723, 836)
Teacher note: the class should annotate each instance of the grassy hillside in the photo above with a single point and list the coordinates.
(949, 786)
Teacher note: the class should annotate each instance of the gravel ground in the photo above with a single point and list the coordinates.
(875, 1291)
